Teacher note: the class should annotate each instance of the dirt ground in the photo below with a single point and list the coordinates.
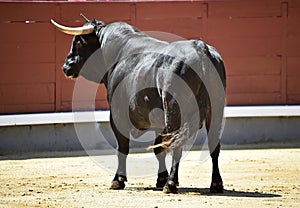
(252, 178)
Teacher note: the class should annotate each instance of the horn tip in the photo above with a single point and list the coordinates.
(52, 21)
(84, 17)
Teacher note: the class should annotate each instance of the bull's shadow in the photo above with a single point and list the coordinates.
(228, 193)
(206, 192)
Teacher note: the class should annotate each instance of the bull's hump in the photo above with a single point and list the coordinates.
(142, 45)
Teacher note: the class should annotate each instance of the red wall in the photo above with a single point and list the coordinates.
(258, 39)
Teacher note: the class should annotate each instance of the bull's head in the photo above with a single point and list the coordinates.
(84, 44)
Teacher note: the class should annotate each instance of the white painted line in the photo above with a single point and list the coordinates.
(103, 116)
(261, 111)
(54, 118)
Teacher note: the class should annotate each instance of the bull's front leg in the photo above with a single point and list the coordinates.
(173, 182)
(122, 152)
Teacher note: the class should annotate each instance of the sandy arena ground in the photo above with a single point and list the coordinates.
(252, 178)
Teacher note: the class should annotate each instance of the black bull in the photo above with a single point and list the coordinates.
(185, 80)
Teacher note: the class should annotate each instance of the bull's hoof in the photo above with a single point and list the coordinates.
(170, 187)
(117, 185)
(216, 187)
(118, 182)
(161, 182)
(162, 179)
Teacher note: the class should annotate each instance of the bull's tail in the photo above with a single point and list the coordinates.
(174, 139)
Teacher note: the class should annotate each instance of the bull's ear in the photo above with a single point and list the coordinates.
(84, 30)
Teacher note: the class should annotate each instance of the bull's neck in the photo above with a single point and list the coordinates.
(119, 40)
(112, 40)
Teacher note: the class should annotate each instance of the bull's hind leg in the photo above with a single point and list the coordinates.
(173, 182)
(214, 148)
(122, 152)
(173, 123)
(162, 175)
(216, 183)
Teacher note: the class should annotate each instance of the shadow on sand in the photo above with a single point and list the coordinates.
(206, 192)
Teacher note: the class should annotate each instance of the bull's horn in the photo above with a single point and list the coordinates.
(86, 29)
(84, 18)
